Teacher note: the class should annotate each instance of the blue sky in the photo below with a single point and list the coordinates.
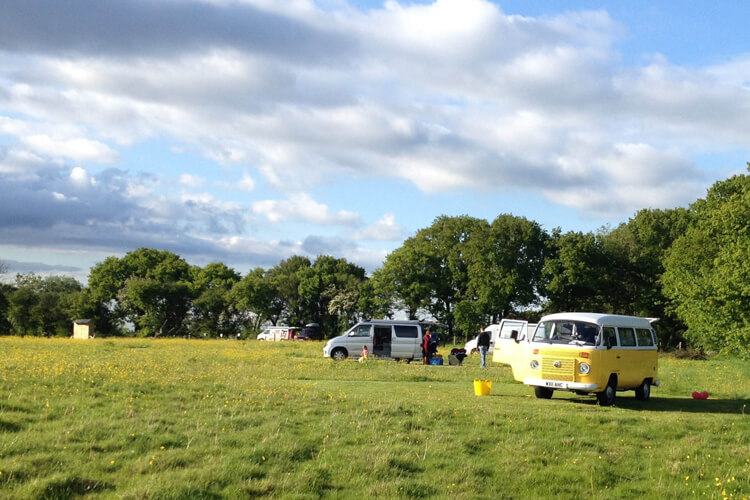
(247, 131)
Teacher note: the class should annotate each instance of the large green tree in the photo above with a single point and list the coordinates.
(213, 314)
(577, 273)
(707, 272)
(295, 292)
(5, 290)
(330, 290)
(256, 299)
(430, 272)
(84, 305)
(465, 272)
(40, 305)
(506, 266)
(374, 301)
(636, 250)
(286, 278)
(401, 283)
(148, 288)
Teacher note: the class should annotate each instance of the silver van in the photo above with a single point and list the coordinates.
(391, 339)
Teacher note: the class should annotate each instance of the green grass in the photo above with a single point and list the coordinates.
(137, 418)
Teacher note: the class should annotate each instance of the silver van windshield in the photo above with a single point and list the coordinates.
(567, 332)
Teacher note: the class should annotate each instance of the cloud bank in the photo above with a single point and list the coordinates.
(450, 95)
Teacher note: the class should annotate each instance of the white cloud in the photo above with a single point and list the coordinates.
(384, 229)
(208, 200)
(139, 188)
(246, 184)
(632, 182)
(191, 180)
(478, 104)
(450, 95)
(79, 149)
(79, 177)
(302, 207)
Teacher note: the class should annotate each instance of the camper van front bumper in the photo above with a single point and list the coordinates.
(560, 384)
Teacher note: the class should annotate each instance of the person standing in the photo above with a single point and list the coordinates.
(483, 343)
(434, 340)
(426, 346)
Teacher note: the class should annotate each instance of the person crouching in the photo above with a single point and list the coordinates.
(365, 354)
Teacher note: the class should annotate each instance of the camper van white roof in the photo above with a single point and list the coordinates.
(600, 319)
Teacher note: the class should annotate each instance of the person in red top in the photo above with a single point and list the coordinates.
(426, 346)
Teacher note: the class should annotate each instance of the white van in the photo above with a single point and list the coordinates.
(503, 330)
(391, 339)
(276, 333)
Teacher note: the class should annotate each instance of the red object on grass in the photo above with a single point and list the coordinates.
(700, 395)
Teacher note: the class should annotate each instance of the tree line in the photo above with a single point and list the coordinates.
(687, 267)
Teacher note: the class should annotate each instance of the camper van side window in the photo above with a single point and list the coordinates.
(644, 337)
(406, 331)
(610, 336)
(362, 331)
(627, 337)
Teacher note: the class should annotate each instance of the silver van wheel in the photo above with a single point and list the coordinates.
(643, 392)
(338, 354)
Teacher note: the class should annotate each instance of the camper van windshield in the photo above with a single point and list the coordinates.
(567, 332)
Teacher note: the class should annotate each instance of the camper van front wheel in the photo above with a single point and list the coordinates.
(338, 354)
(543, 392)
(607, 396)
(643, 392)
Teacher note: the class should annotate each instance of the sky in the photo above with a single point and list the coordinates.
(248, 131)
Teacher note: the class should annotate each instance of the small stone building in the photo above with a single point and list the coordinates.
(83, 329)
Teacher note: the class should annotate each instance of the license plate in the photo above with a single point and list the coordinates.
(556, 385)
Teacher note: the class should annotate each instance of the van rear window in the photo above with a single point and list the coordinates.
(644, 337)
(406, 331)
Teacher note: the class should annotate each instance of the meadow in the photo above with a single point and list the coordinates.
(174, 419)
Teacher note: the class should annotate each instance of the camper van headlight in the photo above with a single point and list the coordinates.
(584, 368)
(534, 364)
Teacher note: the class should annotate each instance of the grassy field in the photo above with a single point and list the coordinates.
(136, 418)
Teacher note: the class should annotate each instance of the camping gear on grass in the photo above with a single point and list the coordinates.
(456, 357)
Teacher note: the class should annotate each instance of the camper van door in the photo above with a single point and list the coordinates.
(511, 348)
(406, 342)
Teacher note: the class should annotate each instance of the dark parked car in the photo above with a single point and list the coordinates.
(311, 331)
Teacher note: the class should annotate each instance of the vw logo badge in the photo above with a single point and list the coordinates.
(557, 364)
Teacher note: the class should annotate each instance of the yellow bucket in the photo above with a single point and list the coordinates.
(482, 387)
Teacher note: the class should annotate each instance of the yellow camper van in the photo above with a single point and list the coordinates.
(584, 353)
